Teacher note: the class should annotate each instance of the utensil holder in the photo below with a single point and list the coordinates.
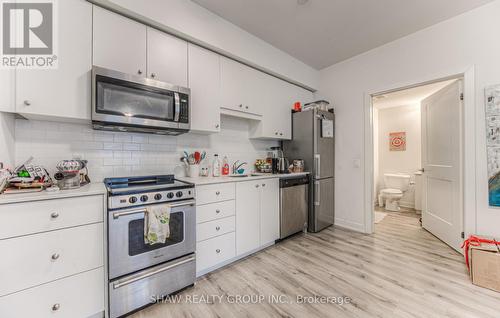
(193, 170)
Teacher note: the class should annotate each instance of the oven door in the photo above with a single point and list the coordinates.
(133, 100)
(128, 252)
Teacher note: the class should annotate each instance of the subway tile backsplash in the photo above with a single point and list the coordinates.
(113, 154)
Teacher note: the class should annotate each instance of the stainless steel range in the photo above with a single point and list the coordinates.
(138, 272)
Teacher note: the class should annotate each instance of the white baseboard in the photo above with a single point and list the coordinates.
(354, 226)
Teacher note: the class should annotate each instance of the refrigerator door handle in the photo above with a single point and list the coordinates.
(317, 196)
(317, 165)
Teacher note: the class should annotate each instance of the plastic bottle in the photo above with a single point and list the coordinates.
(216, 166)
(225, 166)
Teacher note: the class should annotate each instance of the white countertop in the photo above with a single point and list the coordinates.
(93, 188)
(225, 179)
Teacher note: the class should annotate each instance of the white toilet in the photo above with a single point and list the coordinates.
(395, 186)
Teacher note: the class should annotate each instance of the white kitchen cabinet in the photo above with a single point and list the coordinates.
(167, 58)
(241, 87)
(269, 211)
(204, 82)
(276, 121)
(119, 42)
(7, 80)
(248, 196)
(65, 91)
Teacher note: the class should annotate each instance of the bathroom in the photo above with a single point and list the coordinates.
(397, 145)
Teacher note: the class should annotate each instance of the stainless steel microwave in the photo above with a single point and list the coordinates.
(123, 102)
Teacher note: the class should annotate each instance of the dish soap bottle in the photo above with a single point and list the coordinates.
(216, 166)
(225, 166)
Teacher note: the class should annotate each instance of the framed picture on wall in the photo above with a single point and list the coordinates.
(492, 110)
(397, 141)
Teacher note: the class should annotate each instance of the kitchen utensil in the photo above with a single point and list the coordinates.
(283, 165)
(197, 157)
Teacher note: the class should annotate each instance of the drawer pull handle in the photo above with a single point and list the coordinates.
(27, 103)
(263, 184)
(256, 185)
(217, 228)
(217, 251)
(217, 193)
(54, 215)
(217, 211)
(56, 307)
(55, 256)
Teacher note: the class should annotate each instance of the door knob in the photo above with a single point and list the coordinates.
(27, 103)
(139, 72)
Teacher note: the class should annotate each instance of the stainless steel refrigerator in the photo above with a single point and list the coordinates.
(313, 140)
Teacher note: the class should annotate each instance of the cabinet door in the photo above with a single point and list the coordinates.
(204, 82)
(65, 91)
(167, 58)
(247, 216)
(7, 80)
(119, 43)
(269, 211)
(240, 87)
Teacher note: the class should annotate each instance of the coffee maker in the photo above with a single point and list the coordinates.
(279, 163)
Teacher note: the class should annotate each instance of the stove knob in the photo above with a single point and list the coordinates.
(170, 195)
(132, 199)
(144, 198)
(158, 196)
(179, 194)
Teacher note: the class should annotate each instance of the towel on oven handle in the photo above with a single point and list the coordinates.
(157, 224)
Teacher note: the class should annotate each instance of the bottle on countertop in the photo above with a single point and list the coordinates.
(216, 166)
(225, 166)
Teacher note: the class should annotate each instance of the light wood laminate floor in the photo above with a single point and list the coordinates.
(400, 271)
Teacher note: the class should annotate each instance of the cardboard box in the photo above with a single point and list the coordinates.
(485, 266)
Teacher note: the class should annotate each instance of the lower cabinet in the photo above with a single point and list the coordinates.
(81, 295)
(257, 214)
(212, 252)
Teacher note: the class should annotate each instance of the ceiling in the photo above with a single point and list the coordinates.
(408, 96)
(323, 32)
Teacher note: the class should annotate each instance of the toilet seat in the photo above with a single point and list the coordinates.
(391, 191)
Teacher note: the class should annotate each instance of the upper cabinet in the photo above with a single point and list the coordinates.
(241, 88)
(7, 79)
(167, 58)
(280, 97)
(124, 45)
(204, 82)
(65, 91)
(119, 43)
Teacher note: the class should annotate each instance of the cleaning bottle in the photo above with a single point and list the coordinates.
(225, 166)
(216, 166)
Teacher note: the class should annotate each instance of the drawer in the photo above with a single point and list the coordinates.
(215, 228)
(214, 211)
(215, 193)
(18, 219)
(81, 295)
(215, 251)
(37, 259)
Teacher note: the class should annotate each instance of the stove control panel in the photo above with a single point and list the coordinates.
(138, 199)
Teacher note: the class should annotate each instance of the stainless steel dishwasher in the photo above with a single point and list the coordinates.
(294, 205)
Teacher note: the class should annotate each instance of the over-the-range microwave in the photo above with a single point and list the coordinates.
(124, 102)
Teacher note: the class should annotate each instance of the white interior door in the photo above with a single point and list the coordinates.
(442, 209)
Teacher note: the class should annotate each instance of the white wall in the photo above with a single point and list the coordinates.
(7, 134)
(194, 22)
(396, 119)
(124, 154)
(451, 46)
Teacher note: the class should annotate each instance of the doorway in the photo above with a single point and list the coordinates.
(417, 142)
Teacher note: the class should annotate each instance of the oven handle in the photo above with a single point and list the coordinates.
(177, 102)
(116, 215)
(152, 272)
